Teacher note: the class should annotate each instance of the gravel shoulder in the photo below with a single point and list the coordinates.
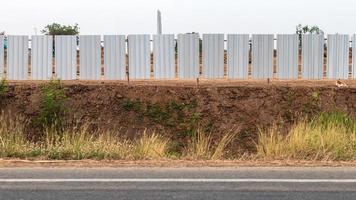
(171, 163)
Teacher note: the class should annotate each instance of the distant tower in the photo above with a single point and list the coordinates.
(159, 22)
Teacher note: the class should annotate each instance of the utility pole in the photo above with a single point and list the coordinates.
(159, 22)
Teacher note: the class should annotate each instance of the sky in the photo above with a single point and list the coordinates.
(18, 17)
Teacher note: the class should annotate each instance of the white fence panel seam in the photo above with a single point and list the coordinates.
(188, 56)
(114, 57)
(338, 57)
(287, 56)
(262, 56)
(41, 57)
(139, 56)
(65, 57)
(164, 56)
(312, 56)
(238, 48)
(17, 58)
(213, 55)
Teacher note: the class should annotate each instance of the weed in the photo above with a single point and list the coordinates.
(52, 105)
(3, 88)
(337, 118)
(76, 143)
(313, 105)
(180, 116)
(131, 105)
(288, 111)
(330, 136)
(13, 142)
(201, 145)
(150, 146)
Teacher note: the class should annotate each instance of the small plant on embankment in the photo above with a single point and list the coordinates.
(52, 105)
(3, 88)
(201, 145)
(330, 136)
(183, 117)
(13, 142)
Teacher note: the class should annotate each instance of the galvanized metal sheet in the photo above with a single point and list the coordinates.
(338, 57)
(114, 57)
(238, 56)
(139, 56)
(213, 55)
(188, 56)
(66, 57)
(353, 75)
(163, 56)
(312, 56)
(262, 56)
(2, 58)
(41, 57)
(90, 57)
(17, 58)
(287, 56)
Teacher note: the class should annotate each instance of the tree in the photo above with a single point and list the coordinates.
(300, 30)
(58, 29)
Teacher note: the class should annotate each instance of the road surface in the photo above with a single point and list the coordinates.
(177, 183)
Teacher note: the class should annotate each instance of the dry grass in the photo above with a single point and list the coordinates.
(202, 147)
(12, 140)
(81, 142)
(329, 137)
(151, 146)
(76, 143)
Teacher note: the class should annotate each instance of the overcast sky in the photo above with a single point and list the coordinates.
(179, 16)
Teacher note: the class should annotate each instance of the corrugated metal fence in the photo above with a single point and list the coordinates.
(239, 56)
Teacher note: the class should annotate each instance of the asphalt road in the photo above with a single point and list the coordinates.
(180, 183)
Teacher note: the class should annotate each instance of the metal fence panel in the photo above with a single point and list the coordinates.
(90, 57)
(188, 56)
(2, 62)
(312, 56)
(353, 75)
(114, 57)
(262, 56)
(238, 56)
(41, 57)
(213, 55)
(17, 58)
(164, 56)
(139, 56)
(338, 57)
(65, 57)
(287, 56)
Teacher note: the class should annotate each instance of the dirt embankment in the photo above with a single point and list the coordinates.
(175, 109)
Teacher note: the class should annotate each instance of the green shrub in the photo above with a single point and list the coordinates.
(337, 118)
(52, 105)
(3, 88)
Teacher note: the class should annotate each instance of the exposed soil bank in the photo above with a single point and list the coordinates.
(175, 108)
